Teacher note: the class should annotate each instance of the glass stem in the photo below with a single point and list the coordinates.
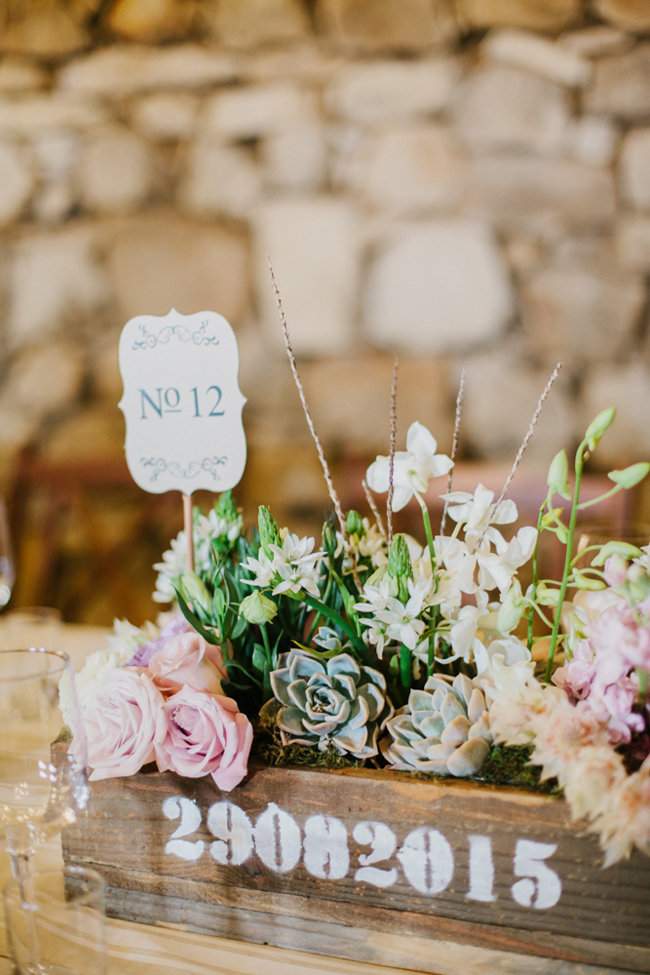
(22, 867)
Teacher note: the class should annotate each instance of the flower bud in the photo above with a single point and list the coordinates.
(557, 476)
(399, 560)
(598, 426)
(269, 531)
(586, 582)
(226, 507)
(512, 609)
(622, 549)
(354, 524)
(194, 592)
(330, 541)
(258, 608)
(615, 571)
(629, 476)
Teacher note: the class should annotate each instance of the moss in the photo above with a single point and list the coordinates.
(509, 765)
(269, 749)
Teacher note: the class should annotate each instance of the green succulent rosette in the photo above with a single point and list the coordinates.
(443, 728)
(330, 702)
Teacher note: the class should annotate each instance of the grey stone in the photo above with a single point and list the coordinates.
(501, 394)
(313, 244)
(248, 24)
(42, 381)
(581, 315)
(54, 278)
(633, 243)
(295, 159)
(220, 180)
(540, 194)
(503, 108)
(44, 30)
(115, 170)
(151, 21)
(549, 15)
(635, 168)
(39, 113)
(592, 140)
(414, 169)
(257, 111)
(633, 15)
(16, 181)
(18, 74)
(530, 52)
(627, 388)
(122, 70)
(597, 42)
(161, 261)
(165, 116)
(621, 85)
(373, 26)
(437, 287)
(385, 91)
(349, 399)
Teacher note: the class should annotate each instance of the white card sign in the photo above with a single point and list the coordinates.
(182, 402)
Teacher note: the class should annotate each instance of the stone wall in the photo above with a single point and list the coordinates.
(448, 180)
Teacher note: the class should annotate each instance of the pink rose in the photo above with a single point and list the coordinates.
(187, 659)
(123, 720)
(206, 734)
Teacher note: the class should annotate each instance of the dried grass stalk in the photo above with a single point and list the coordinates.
(454, 443)
(375, 510)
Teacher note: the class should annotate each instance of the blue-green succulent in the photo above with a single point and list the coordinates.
(335, 702)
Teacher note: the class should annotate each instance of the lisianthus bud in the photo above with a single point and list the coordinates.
(598, 426)
(193, 591)
(268, 529)
(258, 608)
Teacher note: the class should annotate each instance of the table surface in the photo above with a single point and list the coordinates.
(139, 949)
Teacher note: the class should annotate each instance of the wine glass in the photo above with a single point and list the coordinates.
(41, 788)
(7, 568)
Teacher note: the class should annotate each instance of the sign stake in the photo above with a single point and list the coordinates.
(189, 532)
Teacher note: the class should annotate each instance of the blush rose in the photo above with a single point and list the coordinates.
(123, 721)
(206, 735)
(187, 660)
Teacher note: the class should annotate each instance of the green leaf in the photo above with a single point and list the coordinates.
(616, 548)
(259, 658)
(208, 635)
(219, 603)
(239, 628)
(598, 426)
(629, 476)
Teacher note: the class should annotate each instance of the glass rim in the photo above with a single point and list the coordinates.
(63, 666)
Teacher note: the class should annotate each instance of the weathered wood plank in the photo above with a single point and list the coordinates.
(453, 861)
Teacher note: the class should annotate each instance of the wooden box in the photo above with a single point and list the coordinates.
(371, 865)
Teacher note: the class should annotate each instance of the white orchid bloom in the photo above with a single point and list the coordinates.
(413, 468)
(477, 512)
(463, 634)
(498, 568)
(511, 649)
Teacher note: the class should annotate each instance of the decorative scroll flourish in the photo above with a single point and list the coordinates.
(198, 337)
(193, 469)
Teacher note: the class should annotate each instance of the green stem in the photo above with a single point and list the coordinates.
(567, 561)
(533, 593)
(405, 667)
(642, 674)
(348, 629)
(318, 616)
(603, 497)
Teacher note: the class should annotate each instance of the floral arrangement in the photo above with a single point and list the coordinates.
(424, 658)
(377, 649)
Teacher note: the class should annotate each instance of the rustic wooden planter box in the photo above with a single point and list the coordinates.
(369, 865)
